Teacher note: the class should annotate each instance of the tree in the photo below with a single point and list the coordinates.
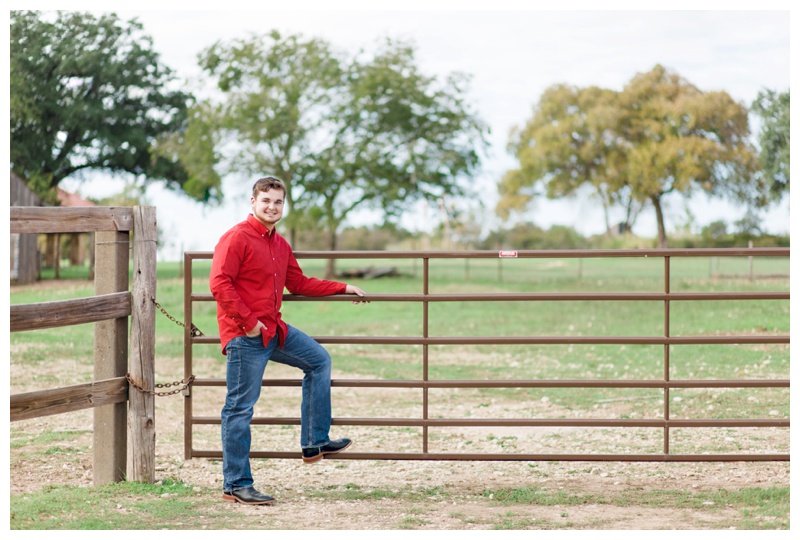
(773, 109)
(401, 136)
(659, 135)
(342, 133)
(530, 236)
(568, 144)
(275, 94)
(715, 230)
(91, 93)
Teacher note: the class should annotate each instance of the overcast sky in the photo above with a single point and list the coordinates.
(512, 55)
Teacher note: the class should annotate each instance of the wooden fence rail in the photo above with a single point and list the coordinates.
(70, 312)
(68, 399)
(119, 415)
(57, 219)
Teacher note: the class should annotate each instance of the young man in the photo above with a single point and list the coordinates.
(252, 264)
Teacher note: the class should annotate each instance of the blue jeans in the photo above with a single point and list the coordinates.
(247, 359)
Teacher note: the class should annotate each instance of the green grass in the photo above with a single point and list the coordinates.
(568, 318)
(510, 521)
(758, 508)
(63, 356)
(128, 505)
(355, 492)
(22, 439)
(774, 499)
(540, 497)
(174, 506)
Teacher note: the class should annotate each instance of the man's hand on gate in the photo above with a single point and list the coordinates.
(352, 289)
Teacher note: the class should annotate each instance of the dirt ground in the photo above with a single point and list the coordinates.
(457, 499)
(455, 493)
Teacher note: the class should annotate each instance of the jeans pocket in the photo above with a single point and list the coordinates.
(239, 345)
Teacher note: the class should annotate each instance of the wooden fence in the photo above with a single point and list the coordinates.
(124, 436)
(23, 255)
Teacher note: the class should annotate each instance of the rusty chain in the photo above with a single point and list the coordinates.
(194, 331)
(184, 382)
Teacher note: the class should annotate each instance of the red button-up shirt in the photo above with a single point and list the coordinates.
(250, 269)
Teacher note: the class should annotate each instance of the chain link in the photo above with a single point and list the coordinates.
(183, 383)
(194, 331)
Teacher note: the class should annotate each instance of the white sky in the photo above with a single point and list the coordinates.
(513, 54)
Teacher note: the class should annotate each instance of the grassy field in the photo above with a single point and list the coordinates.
(564, 318)
(63, 356)
(173, 506)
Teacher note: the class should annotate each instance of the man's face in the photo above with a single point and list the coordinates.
(268, 207)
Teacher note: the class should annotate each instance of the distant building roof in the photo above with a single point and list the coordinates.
(71, 199)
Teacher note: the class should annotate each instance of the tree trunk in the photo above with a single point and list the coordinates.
(75, 251)
(662, 233)
(330, 268)
(606, 216)
(57, 261)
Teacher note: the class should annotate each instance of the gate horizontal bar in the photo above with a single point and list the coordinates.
(538, 340)
(513, 457)
(518, 422)
(538, 383)
(659, 387)
(529, 297)
(532, 254)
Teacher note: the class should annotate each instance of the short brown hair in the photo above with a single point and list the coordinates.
(267, 183)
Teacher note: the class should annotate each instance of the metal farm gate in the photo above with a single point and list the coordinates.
(424, 383)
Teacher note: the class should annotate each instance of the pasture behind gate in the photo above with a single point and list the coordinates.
(46, 454)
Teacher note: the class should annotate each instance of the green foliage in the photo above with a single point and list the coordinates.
(194, 148)
(374, 238)
(89, 92)
(657, 136)
(529, 236)
(745, 233)
(342, 133)
(773, 110)
(715, 230)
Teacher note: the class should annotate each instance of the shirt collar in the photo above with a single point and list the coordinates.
(259, 227)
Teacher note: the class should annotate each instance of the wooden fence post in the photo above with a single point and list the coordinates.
(141, 410)
(110, 358)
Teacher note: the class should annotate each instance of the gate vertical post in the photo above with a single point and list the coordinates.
(667, 279)
(110, 358)
(141, 412)
(187, 354)
(425, 293)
